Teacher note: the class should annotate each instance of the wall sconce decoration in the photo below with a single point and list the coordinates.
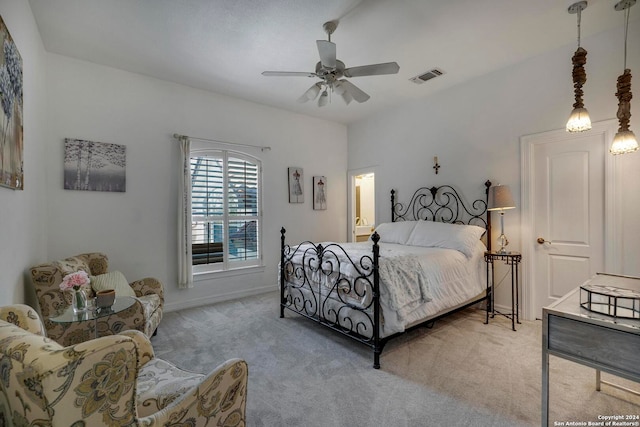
(500, 199)
(436, 166)
(625, 141)
(579, 120)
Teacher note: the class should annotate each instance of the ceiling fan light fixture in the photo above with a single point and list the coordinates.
(330, 71)
(310, 94)
(346, 96)
(324, 98)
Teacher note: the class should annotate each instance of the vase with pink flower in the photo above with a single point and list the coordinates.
(74, 282)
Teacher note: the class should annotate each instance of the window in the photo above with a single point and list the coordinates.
(225, 210)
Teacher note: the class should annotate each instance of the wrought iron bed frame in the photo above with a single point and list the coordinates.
(441, 203)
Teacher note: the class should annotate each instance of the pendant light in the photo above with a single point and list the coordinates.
(624, 141)
(579, 120)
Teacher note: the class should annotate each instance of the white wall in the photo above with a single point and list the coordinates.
(474, 129)
(137, 229)
(22, 233)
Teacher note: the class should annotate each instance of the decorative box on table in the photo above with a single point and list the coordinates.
(606, 294)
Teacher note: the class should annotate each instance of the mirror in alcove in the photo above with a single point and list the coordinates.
(365, 206)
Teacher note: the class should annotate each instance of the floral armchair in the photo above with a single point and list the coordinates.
(144, 315)
(112, 381)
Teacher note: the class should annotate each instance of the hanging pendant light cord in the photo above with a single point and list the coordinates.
(579, 60)
(624, 85)
(626, 30)
(579, 19)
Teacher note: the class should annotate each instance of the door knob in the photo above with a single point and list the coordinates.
(542, 241)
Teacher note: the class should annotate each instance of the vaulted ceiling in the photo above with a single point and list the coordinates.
(223, 45)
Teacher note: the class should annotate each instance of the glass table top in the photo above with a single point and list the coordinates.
(67, 315)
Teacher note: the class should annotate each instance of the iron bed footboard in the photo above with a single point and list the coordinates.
(313, 285)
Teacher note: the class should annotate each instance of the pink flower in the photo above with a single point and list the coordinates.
(74, 281)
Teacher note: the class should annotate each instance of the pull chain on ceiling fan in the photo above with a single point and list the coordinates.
(332, 71)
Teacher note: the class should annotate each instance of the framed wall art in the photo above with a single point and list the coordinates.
(296, 185)
(319, 193)
(11, 140)
(94, 166)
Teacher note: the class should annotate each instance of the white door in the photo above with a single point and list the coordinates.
(567, 212)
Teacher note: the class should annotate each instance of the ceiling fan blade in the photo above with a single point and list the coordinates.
(372, 70)
(354, 91)
(311, 93)
(327, 51)
(288, 74)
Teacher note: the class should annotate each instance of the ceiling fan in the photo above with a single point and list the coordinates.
(332, 71)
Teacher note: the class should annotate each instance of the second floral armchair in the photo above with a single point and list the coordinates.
(144, 315)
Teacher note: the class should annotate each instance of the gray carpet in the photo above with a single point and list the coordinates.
(461, 372)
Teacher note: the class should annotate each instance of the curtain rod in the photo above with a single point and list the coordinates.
(261, 147)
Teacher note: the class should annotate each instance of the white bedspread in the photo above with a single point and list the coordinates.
(416, 282)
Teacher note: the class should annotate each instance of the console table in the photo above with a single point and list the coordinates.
(602, 342)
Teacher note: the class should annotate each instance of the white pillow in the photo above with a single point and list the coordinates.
(112, 280)
(460, 237)
(395, 232)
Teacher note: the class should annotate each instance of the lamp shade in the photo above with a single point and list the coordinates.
(579, 120)
(500, 198)
(624, 142)
(310, 94)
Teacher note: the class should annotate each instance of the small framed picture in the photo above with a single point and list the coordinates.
(296, 185)
(319, 193)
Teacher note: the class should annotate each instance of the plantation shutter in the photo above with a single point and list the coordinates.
(243, 209)
(225, 209)
(207, 208)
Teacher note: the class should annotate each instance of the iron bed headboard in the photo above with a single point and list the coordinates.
(444, 204)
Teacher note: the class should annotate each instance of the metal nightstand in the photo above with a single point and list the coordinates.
(512, 259)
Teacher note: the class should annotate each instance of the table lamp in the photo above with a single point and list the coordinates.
(500, 199)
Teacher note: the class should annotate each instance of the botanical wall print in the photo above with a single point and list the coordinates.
(94, 166)
(319, 193)
(296, 185)
(11, 149)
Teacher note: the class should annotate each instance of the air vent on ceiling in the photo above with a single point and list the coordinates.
(431, 74)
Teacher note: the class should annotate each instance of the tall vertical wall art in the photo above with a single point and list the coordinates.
(320, 193)
(11, 149)
(94, 166)
(296, 185)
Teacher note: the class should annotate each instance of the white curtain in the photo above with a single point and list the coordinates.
(185, 268)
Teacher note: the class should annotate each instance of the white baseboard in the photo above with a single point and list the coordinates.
(218, 298)
(250, 292)
(506, 309)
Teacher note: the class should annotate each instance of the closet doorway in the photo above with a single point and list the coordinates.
(362, 206)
